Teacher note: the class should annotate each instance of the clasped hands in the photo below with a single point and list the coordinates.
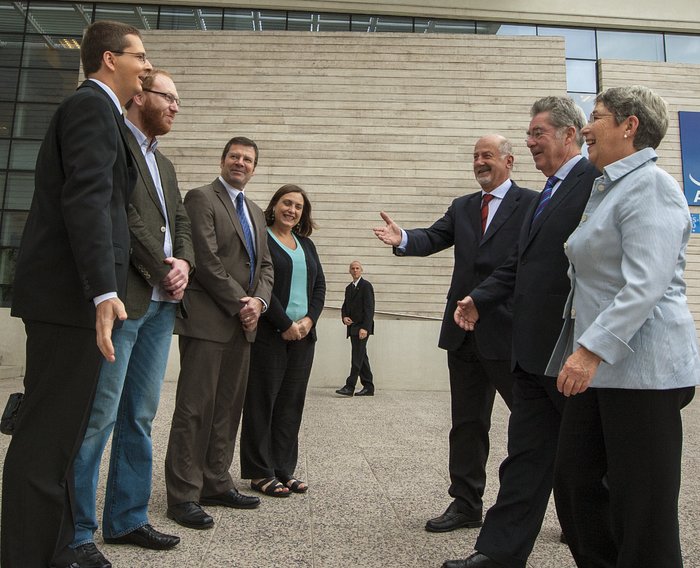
(298, 330)
(177, 278)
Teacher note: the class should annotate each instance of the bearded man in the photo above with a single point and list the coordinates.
(128, 390)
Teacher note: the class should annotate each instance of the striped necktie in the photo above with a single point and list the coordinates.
(485, 210)
(247, 233)
(545, 196)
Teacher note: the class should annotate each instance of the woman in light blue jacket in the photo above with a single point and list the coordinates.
(627, 356)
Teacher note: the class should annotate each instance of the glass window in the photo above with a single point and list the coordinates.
(581, 76)
(240, 20)
(8, 84)
(269, 20)
(20, 188)
(141, 17)
(10, 49)
(61, 53)
(23, 154)
(636, 46)
(495, 28)
(12, 16)
(12, 227)
(8, 260)
(46, 85)
(580, 44)
(3, 176)
(382, 24)
(57, 18)
(4, 153)
(682, 48)
(174, 18)
(209, 18)
(585, 100)
(311, 22)
(426, 25)
(32, 120)
(7, 112)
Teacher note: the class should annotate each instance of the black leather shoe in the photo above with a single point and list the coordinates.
(146, 537)
(346, 391)
(365, 392)
(476, 560)
(453, 519)
(89, 556)
(232, 498)
(190, 515)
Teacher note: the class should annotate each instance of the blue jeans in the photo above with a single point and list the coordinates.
(126, 401)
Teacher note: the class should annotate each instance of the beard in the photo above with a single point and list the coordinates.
(153, 120)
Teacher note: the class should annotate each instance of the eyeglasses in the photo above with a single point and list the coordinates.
(595, 116)
(167, 96)
(140, 56)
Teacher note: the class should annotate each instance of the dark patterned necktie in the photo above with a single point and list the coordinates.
(487, 197)
(545, 196)
(247, 233)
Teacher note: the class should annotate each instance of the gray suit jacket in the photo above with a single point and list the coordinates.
(221, 279)
(147, 227)
(627, 302)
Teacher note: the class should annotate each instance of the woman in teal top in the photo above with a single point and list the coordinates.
(283, 351)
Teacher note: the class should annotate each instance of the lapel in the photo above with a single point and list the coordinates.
(123, 131)
(144, 171)
(472, 212)
(230, 208)
(505, 210)
(560, 195)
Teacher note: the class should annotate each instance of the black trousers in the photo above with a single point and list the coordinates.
(618, 475)
(474, 381)
(359, 364)
(512, 524)
(63, 364)
(274, 404)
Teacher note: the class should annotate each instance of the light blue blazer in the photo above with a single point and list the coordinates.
(627, 302)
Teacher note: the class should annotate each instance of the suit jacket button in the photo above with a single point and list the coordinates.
(573, 312)
(162, 229)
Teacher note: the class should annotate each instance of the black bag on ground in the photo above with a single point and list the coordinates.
(9, 416)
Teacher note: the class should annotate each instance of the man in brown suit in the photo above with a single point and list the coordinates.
(230, 289)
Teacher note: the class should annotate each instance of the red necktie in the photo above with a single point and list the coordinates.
(485, 210)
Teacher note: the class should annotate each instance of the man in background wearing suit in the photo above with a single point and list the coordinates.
(228, 292)
(483, 227)
(536, 278)
(358, 315)
(161, 260)
(70, 276)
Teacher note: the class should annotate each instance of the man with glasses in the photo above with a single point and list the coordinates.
(536, 277)
(129, 390)
(230, 289)
(70, 275)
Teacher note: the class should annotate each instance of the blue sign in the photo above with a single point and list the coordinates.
(695, 222)
(689, 123)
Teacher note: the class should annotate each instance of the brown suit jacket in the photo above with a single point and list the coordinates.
(221, 279)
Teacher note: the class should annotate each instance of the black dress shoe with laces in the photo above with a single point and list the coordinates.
(232, 498)
(146, 537)
(365, 392)
(346, 391)
(190, 515)
(89, 556)
(453, 519)
(476, 560)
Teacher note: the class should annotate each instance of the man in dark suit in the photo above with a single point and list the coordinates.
(536, 278)
(70, 274)
(227, 294)
(483, 227)
(161, 259)
(357, 313)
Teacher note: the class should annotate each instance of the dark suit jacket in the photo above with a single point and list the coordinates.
(536, 275)
(147, 226)
(476, 257)
(221, 279)
(359, 307)
(315, 285)
(76, 240)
